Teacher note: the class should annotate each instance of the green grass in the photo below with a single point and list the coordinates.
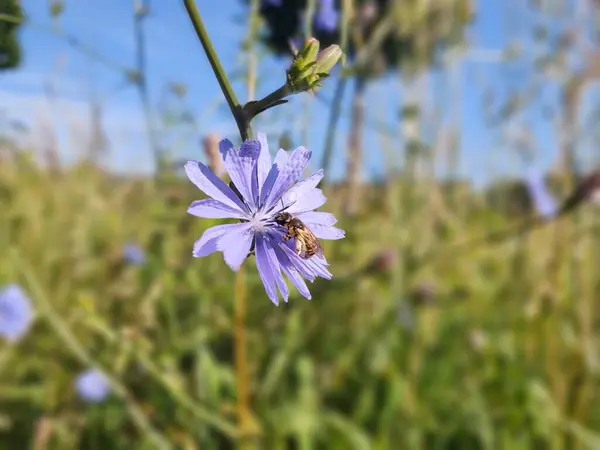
(504, 356)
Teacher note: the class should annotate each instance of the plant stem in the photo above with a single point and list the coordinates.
(242, 122)
(242, 377)
(254, 108)
(241, 358)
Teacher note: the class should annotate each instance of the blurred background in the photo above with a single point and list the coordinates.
(451, 120)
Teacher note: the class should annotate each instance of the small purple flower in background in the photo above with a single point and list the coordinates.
(326, 17)
(271, 2)
(544, 202)
(92, 386)
(265, 190)
(134, 254)
(16, 312)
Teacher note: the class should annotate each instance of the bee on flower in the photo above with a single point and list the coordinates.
(274, 210)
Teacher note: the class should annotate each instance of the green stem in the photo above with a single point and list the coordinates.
(254, 108)
(237, 111)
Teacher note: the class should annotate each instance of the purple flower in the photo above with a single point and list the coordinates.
(265, 189)
(134, 254)
(544, 202)
(271, 2)
(92, 386)
(16, 313)
(326, 17)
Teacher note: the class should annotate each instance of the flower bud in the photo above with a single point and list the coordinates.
(310, 67)
(327, 59)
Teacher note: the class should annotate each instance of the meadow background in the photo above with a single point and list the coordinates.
(428, 337)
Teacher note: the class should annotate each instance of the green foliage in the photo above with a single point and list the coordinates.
(10, 49)
(510, 363)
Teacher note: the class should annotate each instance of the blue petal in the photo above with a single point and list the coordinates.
(263, 264)
(325, 232)
(275, 267)
(263, 165)
(235, 244)
(317, 218)
(212, 185)
(281, 159)
(318, 266)
(308, 202)
(287, 174)
(214, 209)
(302, 188)
(207, 244)
(92, 386)
(224, 146)
(292, 273)
(545, 204)
(309, 269)
(326, 18)
(240, 165)
(16, 312)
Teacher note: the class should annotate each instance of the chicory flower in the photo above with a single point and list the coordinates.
(16, 312)
(326, 17)
(264, 190)
(92, 386)
(134, 254)
(544, 202)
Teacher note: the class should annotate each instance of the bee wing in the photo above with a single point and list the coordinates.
(307, 244)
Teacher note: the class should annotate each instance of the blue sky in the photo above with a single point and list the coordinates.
(175, 55)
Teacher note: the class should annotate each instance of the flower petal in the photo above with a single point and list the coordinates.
(305, 266)
(265, 269)
(214, 209)
(544, 202)
(263, 165)
(235, 244)
(207, 244)
(276, 268)
(224, 146)
(317, 218)
(281, 159)
(323, 232)
(212, 185)
(287, 174)
(240, 165)
(318, 266)
(302, 188)
(308, 202)
(292, 273)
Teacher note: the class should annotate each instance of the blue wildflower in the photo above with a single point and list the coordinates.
(326, 16)
(544, 202)
(134, 254)
(265, 190)
(92, 386)
(16, 312)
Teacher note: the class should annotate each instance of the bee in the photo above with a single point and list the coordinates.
(307, 244)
